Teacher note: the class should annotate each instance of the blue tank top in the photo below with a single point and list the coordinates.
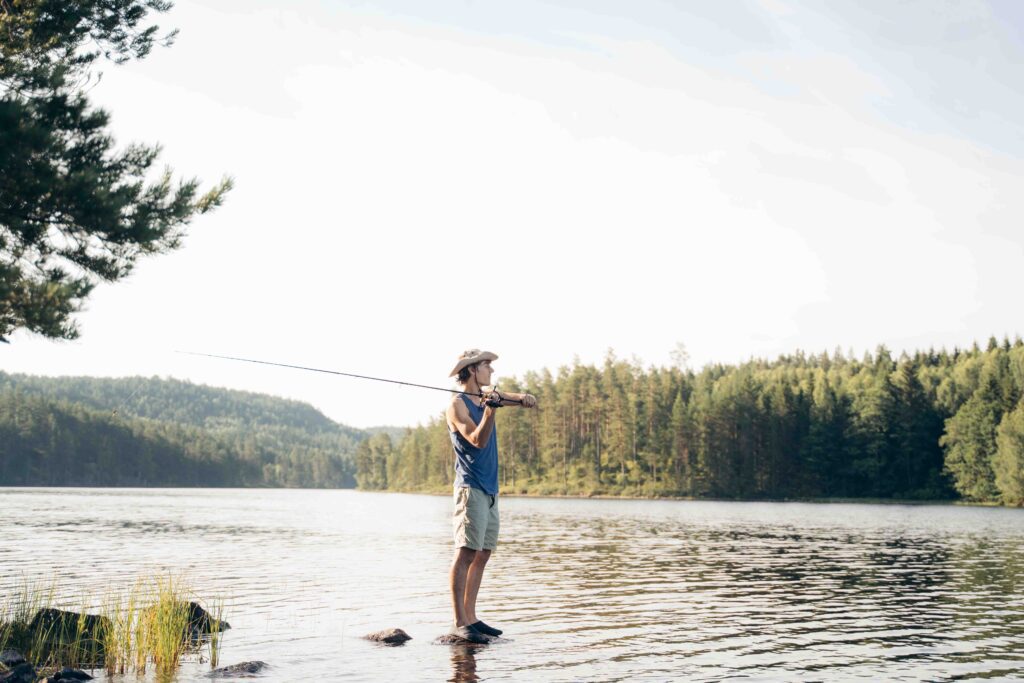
(476, 467)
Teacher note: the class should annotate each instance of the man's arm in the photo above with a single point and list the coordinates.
(510, 398)
(476, 434)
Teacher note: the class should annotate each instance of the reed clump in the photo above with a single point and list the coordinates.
(216, 628)
(31, 624)
(152, 624)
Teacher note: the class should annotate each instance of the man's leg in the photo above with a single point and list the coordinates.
(464, 559)
(473, 579)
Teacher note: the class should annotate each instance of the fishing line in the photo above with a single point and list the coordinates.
(124, 402)
(344, 374)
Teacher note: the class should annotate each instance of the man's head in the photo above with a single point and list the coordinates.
(474, 363)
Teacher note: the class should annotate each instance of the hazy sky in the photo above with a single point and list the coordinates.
(552, 179)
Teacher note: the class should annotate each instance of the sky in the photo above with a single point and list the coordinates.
(550, 180)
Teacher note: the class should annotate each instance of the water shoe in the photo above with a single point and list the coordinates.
(487, 630)
(470, 634)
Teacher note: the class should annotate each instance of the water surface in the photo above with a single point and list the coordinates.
(586, 590)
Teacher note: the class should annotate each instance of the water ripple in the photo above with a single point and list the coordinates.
(586, 590)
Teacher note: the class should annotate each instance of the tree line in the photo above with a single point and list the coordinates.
(82, 431)
(932, 425)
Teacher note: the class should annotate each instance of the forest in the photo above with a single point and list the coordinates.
(83, 431)
(932, 425)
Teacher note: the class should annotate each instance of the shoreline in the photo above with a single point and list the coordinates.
(816, 501)
(553, 496)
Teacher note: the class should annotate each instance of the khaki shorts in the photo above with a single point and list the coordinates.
(476, 519)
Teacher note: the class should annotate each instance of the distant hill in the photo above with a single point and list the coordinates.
(396, 434)
(172, 400)
(162, 432)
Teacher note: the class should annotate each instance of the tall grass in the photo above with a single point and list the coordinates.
(213, 640)
(124, 639)
(167, 625)
(45, 642)
(146, 625)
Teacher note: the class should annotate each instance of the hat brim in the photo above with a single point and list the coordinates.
(472, 360)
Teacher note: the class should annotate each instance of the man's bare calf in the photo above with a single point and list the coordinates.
(473, 578)
(458, 579)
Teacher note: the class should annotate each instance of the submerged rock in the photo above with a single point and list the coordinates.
(243, 670)
(22, 673)
(11, 658)
(391, 636)
(69, 674)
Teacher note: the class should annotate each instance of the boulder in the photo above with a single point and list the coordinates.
(200, 622)
(455, 639)
(63, 626)
(243, 670)
(11, 658)
(391, 636)
(22, 673)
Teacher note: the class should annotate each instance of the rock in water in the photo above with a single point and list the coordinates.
(391, 636)
(243, 670)
(456, 639)
(200, 621)
(65, 626)
(22, 673)
(11, 658)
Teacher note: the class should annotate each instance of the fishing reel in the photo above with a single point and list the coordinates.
(496, 399)
(492, 398)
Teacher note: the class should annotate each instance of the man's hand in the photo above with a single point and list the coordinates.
(493, 399)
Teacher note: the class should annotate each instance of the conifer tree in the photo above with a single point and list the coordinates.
(919, 458)
(872, 430)
(682, 447)
(74, 210)
(1008, 462)
(970, 441)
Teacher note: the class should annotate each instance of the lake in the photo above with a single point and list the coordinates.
(586, 590)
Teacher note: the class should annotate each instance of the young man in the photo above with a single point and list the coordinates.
(470, 419)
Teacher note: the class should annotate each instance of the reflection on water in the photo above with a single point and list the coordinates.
(585, 590)
(464, 663)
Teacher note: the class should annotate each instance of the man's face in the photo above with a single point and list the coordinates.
(483, 373)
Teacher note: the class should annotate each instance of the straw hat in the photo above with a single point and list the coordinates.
(470, 357)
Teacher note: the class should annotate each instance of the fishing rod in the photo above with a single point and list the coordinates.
(483, 395)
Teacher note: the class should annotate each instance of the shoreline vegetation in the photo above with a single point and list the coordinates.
(58, 431)
(575, 496)
(627, 497)
(154, 624)
(928, 426)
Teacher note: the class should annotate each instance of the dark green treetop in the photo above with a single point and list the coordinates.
(73, 209)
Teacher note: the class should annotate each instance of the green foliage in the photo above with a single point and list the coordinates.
(1008, 462)
(800, 426)
(73, 210)
(918, 458)
(151, 432)
(372, 456)
(970, 442)
(149, 624)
